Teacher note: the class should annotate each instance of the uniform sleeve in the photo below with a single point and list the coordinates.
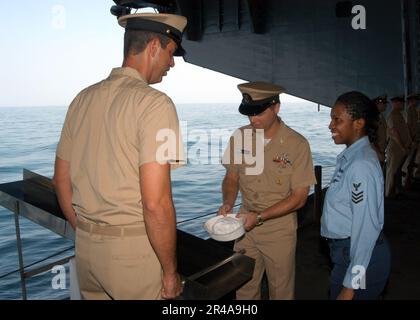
(390, 122)
(412, 122)
(231, 157)
(159, 134)
(303, 169)
(64, 146)
(365, 185)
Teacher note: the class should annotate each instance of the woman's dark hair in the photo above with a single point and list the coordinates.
(359, 106)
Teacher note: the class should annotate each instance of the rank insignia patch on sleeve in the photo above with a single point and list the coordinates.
(356, 196)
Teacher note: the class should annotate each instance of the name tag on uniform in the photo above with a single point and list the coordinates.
(337, 177)
(243, 151)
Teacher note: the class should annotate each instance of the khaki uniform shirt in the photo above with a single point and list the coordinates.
(111, 129)
(412, 120)
(396, 120)
(287, 166)
(381, 139)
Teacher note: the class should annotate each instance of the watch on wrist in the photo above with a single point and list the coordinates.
(260, 220)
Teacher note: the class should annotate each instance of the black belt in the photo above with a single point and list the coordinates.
(378, 241)
(336, 240)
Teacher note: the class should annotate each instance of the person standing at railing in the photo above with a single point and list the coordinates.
(353, 215)
(119, 141)
(273, 188)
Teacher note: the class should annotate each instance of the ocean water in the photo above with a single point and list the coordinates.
(28, 138)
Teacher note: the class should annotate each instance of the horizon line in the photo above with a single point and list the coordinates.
(178, 103)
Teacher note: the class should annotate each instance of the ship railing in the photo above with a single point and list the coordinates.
(12, 198)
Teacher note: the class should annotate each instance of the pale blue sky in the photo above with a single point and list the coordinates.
(50, 50)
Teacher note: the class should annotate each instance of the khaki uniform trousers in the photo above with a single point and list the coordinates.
(395, 160)
(116, 263)
(273, 246)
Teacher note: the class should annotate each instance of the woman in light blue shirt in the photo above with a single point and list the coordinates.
(353, 213)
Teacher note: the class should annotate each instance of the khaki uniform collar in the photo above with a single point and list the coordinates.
(350, 152)
(282, 129)
(279, 135)
(127, 72)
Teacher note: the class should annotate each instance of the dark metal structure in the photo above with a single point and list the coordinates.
(315, 49)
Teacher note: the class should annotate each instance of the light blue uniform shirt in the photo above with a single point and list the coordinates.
(354, 203)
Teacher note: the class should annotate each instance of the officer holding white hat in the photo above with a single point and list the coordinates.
(271, 195)
(111, 183)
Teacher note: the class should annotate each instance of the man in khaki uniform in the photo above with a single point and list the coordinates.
(112, 172)
(412, 124)
(381, 134)
(398, 147)
(271, 193)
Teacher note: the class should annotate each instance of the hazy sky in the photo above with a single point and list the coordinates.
(50, 50)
